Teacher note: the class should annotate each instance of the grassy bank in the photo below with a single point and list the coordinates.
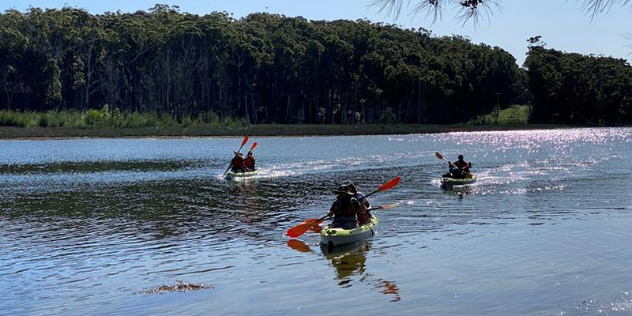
(112, 123)
(253, 130)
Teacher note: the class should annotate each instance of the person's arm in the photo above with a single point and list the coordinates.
(367, 204)
(335, 208)
(365, 201)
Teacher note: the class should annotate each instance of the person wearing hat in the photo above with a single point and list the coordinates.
(344, 209)
(249, 162)
(459, 168)
(237, 163)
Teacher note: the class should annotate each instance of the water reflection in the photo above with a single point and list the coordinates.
(350, 260)
(94, 220)
(246, 193)
(298, 245)
(459, 190)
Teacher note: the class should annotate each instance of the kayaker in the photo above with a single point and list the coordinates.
(250, 160)
(344, 209)
(459, 168)
(364, 215)
(237, 163)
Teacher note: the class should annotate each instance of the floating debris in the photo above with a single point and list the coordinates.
(180, 287)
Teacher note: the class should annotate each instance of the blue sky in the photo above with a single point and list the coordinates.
(562, 24)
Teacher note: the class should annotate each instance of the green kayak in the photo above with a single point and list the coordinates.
(236, 175)
(449, 182)
(332, 237)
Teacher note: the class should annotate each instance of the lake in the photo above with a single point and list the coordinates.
(89, 226)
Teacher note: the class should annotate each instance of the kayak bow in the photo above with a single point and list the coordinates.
(234, 175)
(332, 237)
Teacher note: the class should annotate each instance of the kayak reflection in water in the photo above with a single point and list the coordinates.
(347, 208)
(350, 260)
(347, 260)
(458, 169)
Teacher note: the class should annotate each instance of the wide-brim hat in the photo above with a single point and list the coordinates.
(343, 190)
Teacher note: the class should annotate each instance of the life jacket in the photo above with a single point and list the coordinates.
(344, 207)
(462, 165)
(250, 162)
(237, 163)
(364, 218)
(363, 212)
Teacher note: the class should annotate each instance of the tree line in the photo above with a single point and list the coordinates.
(268, 68)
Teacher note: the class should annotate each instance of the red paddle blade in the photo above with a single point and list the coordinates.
(316, 228)
(300, 229)
(389, 185)
(253, 146)
(244, 141)
(438, 155)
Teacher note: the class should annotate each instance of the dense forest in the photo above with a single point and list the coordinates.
(268, 68)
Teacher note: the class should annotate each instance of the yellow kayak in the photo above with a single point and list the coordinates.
(332, 237)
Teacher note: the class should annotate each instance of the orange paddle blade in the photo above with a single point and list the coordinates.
(389, 185)
(244, 141)
(316, 228)
(300, 229)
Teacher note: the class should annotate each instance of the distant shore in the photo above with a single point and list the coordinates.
(257, 130)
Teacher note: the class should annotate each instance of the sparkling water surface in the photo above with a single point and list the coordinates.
(88, 225)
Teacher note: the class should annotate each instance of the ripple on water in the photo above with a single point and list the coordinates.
(543, 231)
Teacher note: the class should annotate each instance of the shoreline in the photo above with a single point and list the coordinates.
(271, 130)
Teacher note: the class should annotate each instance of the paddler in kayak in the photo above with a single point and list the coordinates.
(459, 168)
(344, 209)
(250, 160)
(365, 206)
(237, 163)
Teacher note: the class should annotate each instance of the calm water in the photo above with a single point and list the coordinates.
(86, 225)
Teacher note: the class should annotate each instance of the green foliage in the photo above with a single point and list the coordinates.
(136, 119)
(576, 89)
(101, 119)
(10, 118)
(388, 117)
(71, 118)
(165, 68)
(514, 115)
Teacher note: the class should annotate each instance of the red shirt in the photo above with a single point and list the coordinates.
(237, 163)
(250, 162)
